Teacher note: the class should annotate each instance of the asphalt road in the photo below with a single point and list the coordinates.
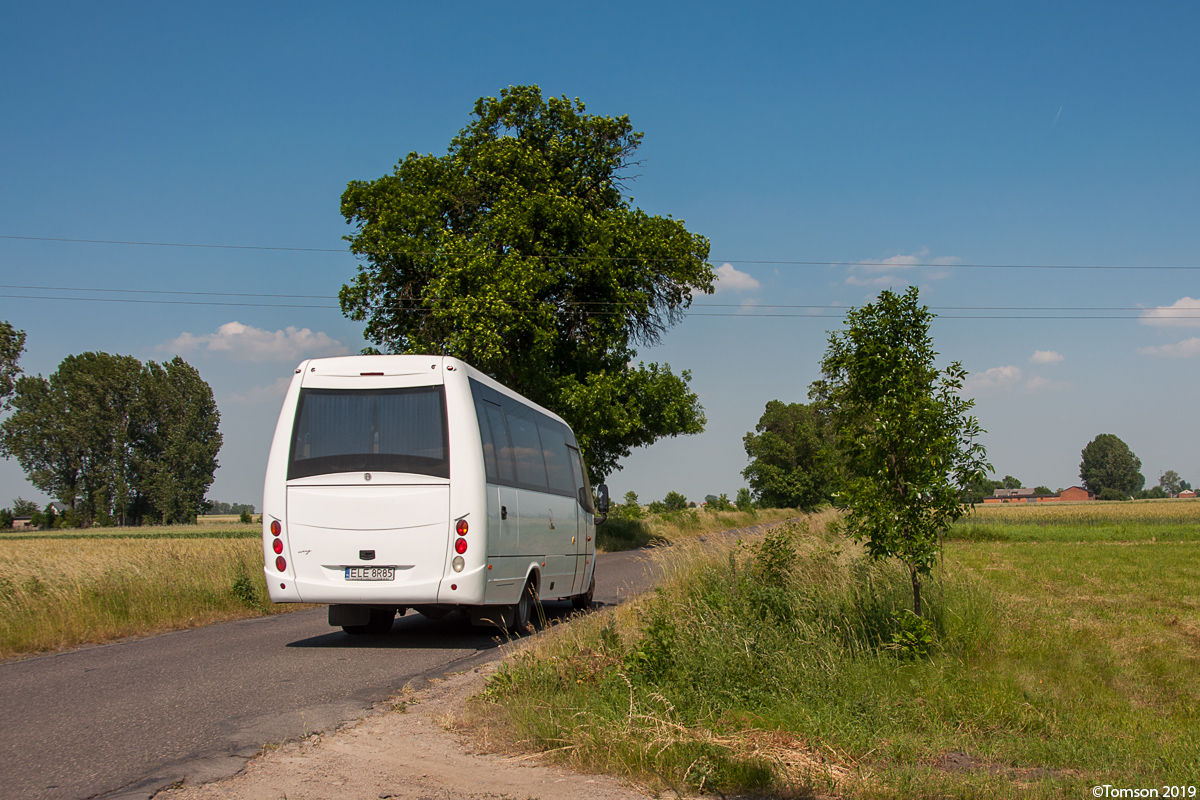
(126, 719)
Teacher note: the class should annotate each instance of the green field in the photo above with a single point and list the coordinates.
(1051, 665)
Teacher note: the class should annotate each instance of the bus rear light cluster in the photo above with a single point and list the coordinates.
(277, 546)
(461, 527)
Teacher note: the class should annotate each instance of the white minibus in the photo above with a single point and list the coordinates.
(399, 482)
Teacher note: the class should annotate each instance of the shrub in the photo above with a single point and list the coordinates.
(245, 517)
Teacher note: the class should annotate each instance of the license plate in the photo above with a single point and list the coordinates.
(370, 573)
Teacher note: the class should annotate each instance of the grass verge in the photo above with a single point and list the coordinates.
(792, 667)
(57, 593)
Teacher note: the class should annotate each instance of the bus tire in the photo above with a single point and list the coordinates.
(380, 622)
(523, 610)
(582, 601)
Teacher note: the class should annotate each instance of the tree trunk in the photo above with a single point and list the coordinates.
(916, 584)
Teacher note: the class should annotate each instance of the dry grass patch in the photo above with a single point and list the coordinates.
(59, 593)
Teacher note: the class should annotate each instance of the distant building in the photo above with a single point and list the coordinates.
(1074, 494)
(59, 508)
(1187, 493)
(20, 522)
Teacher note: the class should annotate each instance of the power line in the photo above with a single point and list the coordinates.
(798, 263)
(536, 304)
(747, 314)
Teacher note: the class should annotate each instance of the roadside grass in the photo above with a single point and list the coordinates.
(791, 666)
(224, 529)
(619, 533)
(59, 592)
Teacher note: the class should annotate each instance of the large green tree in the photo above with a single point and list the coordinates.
(908, 442)
(12, 344)
(791, 452)
(113, 439)
(1108, 463)
(519, 252)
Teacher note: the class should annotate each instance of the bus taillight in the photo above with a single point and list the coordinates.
(278, 545)
(461, 527)
(276, 528)
(460, 546)
(280, 564)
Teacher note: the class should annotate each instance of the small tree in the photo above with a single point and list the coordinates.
(1011, 483)
(1042, 490)
(904, 431)
(744, 501)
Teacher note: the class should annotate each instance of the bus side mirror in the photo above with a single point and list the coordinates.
(602, 503)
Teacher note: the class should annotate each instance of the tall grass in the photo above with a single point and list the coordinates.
(793, 666)
(60, 593)
(623, 533)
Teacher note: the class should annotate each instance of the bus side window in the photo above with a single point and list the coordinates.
(527, 446)
(554, 451)
(583, 490)
(504, 450)
(487, 438)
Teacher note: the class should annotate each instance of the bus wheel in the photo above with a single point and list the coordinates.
(584, 600)
(380, 622)
(523, 610)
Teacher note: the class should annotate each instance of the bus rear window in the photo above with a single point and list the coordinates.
(370, 430)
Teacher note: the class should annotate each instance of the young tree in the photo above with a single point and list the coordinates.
(791, 452)
(904, 431)
(519, 252)
(1108, 463)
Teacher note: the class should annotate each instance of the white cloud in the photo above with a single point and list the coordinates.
(895, 264)
(1037, 383)
(247, 343)
(1188, 348)
(263, 394)
(731, 278)
(994, 378)
(1183, 313)
(1045, 357)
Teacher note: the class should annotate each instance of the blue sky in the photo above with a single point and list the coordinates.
(876, 135)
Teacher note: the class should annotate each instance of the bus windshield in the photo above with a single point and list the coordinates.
(370, 430)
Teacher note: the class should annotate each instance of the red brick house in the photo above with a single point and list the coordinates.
(1074, 494)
